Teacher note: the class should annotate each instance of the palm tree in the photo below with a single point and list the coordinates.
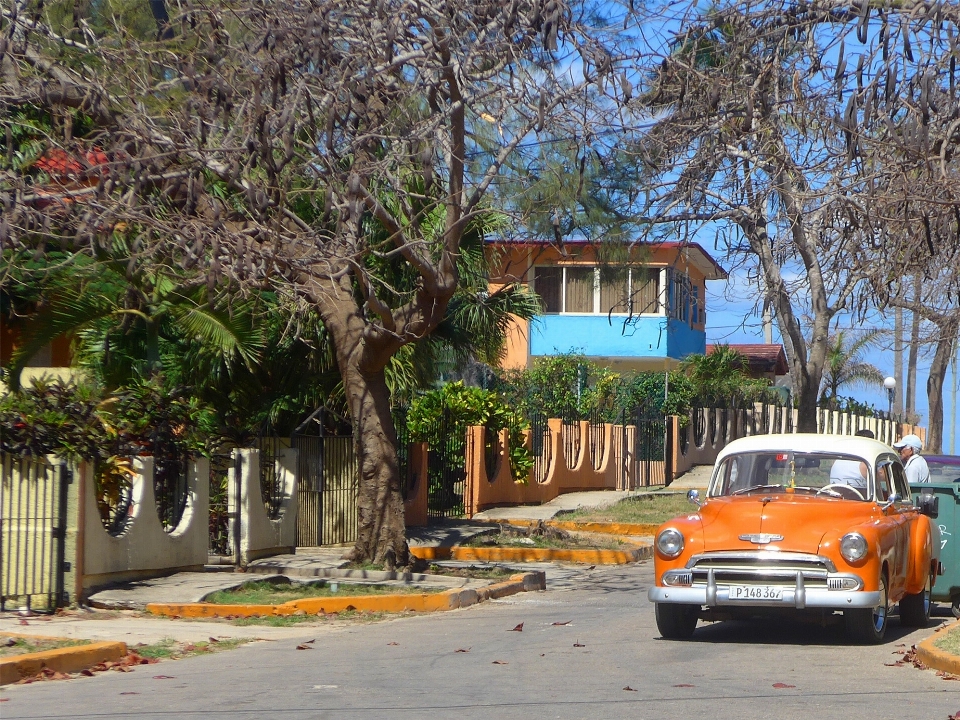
(121, 316)
(846, 366)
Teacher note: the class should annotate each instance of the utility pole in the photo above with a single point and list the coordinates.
(898, 360)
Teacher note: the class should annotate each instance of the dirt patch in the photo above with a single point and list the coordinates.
(262, 592)
(544, 536)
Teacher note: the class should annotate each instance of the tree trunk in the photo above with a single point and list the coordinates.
(911, 401)
(381, 530)
(898, 360)
(935, 380)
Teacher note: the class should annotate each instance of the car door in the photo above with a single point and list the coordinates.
(908, 513)
(895, 542)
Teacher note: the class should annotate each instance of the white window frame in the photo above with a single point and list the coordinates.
(661, 310)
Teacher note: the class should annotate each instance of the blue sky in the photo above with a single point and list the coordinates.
(732, 318)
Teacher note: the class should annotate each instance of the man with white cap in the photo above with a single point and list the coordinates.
(909, 447)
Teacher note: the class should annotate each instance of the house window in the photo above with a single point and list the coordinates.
(583, 289)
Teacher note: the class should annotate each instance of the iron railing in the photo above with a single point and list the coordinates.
(541, 447)
(171, 488)
(33, 521)
(219, 523)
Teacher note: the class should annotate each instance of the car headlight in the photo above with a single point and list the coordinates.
(853, 546)
(670, 542)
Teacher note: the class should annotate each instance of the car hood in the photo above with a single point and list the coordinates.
(800, 520)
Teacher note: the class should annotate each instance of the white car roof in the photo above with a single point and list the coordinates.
(865, 448)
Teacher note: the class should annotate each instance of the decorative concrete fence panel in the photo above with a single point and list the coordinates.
(563, 475)
(142, 549)
(415, 497)
(259, 535)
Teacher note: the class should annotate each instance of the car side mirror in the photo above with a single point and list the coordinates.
(694, 497)
(929, 505)
(892, 499)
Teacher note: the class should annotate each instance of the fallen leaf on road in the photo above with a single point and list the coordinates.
(213, 640)
(500, 662)
(518, 628)
(23, 622)
(781, 686)
(543, 654)
(4, 699)
(129, 693)
(684, 685)
(164, 677)
(947, 676)
(629, 689)
(393, 643)
(304, 647)
(463, 649)
(562, 623)
(86, 673)
(577, 644)
(591, 567)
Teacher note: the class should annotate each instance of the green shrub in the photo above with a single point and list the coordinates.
(466, 406)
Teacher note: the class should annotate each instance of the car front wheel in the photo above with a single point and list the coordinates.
(867, 626)
(675, 621)
(915, 609)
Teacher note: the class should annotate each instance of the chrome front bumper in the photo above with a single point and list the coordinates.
(798, 596)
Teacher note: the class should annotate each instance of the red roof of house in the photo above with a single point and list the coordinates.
(761, 357)
(697, 255)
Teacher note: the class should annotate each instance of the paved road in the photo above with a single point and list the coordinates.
(410, 667)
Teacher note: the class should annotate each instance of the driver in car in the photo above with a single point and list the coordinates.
(851, 472)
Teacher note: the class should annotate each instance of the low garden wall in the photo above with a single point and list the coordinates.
(261, 535)
(491, 487)
(706, 431)
(142, 549)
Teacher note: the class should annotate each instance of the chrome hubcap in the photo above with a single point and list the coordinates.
(880, 612)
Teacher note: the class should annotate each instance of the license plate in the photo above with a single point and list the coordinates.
(756, 592)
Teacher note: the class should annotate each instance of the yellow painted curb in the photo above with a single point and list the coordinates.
(65, 660)
(533, 554)
(934, 657)
(603, 528)
(426, 602)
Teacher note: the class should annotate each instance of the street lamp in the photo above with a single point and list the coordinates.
(889, 383)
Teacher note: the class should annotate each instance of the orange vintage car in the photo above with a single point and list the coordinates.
(812, 524)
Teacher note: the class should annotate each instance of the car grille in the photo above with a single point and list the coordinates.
(761, 568)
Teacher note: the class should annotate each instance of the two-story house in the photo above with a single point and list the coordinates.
(644, 311)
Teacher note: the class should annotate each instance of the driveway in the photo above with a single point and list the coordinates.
(588, 648)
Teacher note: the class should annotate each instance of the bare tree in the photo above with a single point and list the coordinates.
(253, 144)
(921, 237)
(772, 123)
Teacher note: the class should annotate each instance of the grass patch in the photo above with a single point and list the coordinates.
(267, 593)
(949, 642)
(10, 646)
(556, 540)
(652, 509)
(170, 649)
(476, 573)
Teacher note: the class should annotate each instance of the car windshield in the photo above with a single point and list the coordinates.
(827, 474)
(944, 471)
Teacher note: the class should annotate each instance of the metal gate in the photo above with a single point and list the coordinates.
(33, 522)
(651, 457)
(446, 469)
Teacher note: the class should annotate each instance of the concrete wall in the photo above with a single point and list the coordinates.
(144, 549)
(415, 504)
(259, 535)
(564, 474)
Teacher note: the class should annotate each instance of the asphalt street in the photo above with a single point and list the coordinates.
(588, 648)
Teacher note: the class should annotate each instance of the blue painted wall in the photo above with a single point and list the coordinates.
(598, 335)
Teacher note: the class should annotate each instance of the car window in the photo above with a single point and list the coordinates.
(781, 471)
(883, 481)
(900, 483)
